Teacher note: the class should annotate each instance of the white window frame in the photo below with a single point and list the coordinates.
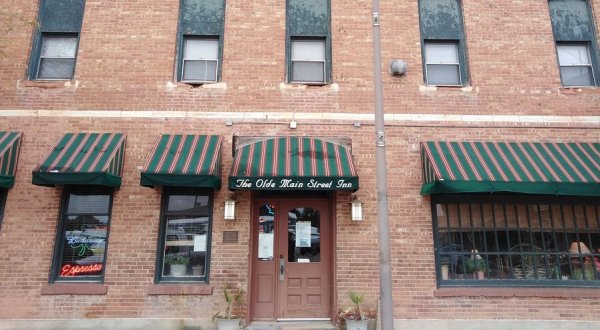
(295, 60)
(582, 65)
(187, 38)
(456, 63)
(45, 37)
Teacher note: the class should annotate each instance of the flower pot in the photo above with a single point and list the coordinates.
(357, 325)
(178, 270)
(480, 275)
(228, 324)
(445, 269)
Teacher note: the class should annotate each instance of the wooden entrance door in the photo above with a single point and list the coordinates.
(292, 259)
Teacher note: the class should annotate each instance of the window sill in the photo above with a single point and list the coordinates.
(464, 89)
(508, 292)
(575, 90)
(188, 85)
(48, 84)
(298, 86)
(180, 289)
(75, 289)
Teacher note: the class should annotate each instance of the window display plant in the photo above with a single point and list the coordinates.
(355, 318)
(178, 263)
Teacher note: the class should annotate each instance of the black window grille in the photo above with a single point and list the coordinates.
(498, 240)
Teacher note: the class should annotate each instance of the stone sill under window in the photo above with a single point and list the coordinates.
(189, 85)
(457, 88)
(180, 289)
(509, 292)
(75, 289)
(575, 90)
(332, 87)
(48, 84)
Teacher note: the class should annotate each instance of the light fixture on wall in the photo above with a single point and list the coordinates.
(579, 247)
(356, 208)
(229, 212)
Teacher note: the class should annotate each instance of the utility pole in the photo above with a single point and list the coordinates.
(385, 272)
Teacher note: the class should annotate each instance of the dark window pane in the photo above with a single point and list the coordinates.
(304, 235)
(185, 238)
(308, 71)
(440, 74)
(56, 68)
(88, 204)
(199, 70)
(84, 246)
(188, 203)
(577, 76)
(266, 232)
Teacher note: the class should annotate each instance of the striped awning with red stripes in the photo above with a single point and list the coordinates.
(517, 167)
(9, 155)
(293, 163)
(184, 161)
(83, 159)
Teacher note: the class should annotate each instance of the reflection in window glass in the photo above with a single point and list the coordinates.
(304, 235)
(266, 231)
(185, 241)
(85, 225)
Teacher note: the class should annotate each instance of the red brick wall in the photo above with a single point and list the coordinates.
(125, 61)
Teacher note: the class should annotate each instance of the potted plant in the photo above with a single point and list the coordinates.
(229, 320)
(477, 266)
(178, 263)
(353, 316)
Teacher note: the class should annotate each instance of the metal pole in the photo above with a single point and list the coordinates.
(385, 272)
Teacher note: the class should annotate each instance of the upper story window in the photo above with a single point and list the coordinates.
(200, 40)
(185, 235)
(57, 58)
(442, 66)
(576, 42)
(200, 59)
(443, 43)
(575, 64)
(308, 61)
(308, 41)
(54, 50)
(82, 235)
(516, 240)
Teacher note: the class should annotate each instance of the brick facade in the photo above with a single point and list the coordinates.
(124, 82)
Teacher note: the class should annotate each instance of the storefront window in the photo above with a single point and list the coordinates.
(83, 235)
(2, 203)
(185, 236)
(517, 240)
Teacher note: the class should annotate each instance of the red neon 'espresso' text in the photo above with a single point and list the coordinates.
(74, 270)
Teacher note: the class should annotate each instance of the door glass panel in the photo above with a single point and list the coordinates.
(304, 235)
(266, 231)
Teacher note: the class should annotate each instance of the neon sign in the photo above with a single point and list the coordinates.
(75, 270)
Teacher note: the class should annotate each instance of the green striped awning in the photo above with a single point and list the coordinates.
(9, 155)
(517, 167)
(293, 163)
(85, 159)
(184, 161)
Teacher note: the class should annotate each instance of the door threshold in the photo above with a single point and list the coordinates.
(300, 319)
(293, 324)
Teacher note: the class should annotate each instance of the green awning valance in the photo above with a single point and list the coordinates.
(517, 167)
(293, 163)
(9, 155)
(83, 159)
(184, 161)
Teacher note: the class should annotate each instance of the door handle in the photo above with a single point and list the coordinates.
(281, 268)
